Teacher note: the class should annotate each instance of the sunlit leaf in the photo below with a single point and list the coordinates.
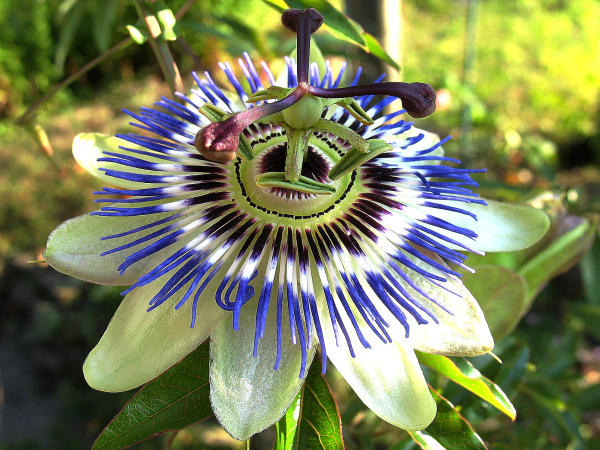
(557, 257)
(173, 400)
(67, 33)
(501, 293)
(339, 25)
(375, 48)
(449, 430)
(104, 18)
(287, 426)
(244, 32)
(279, 5)
(466, 375)
(319, 423)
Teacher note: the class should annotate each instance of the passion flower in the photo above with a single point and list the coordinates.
(311, 219)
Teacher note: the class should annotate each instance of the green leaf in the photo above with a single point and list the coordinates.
(557, 257)
(589, 315)
(244, 32)
(279, 5)
(137, 34)
(466, 375)
(287, 426)
(516, 359)
(319, 423)
(173, 400)
(67, 33)
(375, 49)
(502, 295)
(590, 268)
(104, 19)
(338, 23)
(449, 429)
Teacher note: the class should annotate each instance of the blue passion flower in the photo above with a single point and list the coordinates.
(278, 216)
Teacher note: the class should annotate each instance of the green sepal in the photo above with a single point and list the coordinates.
(557, 257)
(272, 92)
(355, 158)
(304, 184)
(213, 113)
(343, 132)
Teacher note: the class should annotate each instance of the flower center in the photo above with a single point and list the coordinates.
(314, 167)
(278, 203)
(299, 112)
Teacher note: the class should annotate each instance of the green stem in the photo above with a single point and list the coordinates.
(40, 136)
(297, 144)
(161, 49)
(466, 125)
(30, 113)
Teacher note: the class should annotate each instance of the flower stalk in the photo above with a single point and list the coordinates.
(161, 50)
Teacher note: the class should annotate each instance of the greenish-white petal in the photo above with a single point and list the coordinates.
(247, 395)
(500, 227)
(387, 378)
(74, 248)
(462, 329)
(138, 344)
(88, 147)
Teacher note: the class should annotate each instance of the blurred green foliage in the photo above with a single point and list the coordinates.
(536, 76)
